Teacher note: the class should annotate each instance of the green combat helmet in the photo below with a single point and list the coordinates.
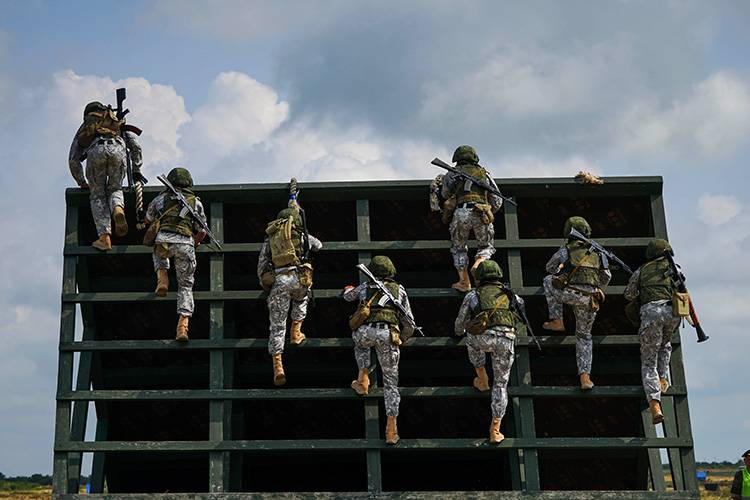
(580, 224)
(465, 154)
(94, 107)
(180, 177)
(287, 212)
(489, 270)
(382, 267)
(656, 248)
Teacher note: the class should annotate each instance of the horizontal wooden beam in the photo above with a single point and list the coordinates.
(376, 444)
(414, 293)
(325, 343)
(366, 246)
(335, 393)
(411, 495)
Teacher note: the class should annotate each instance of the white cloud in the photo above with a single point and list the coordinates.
(712, 121)
(718, 209)
(531, 166)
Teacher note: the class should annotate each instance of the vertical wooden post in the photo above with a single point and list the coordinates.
(60, 473)
(218, 409)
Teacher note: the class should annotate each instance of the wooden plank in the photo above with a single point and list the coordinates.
(345, 393)
(654, 456)
(97, 463)
(366, 245)
(378, 444)
(682, 414)
(670, 430)
(417, 293)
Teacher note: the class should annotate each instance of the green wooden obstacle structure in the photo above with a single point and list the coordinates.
(203, 420)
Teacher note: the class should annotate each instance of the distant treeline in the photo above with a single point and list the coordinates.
(37, 479)
(725, 463)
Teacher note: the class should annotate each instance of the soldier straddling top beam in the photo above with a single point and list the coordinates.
(286, 274)
(105, 141)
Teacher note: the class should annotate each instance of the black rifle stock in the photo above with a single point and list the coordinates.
(479, 182)
(203, 224)
(520, 309)
(603, 252)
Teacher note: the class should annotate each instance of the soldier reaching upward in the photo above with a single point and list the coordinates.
(104, 143)
(377, 325)
(654, 289)
(576, 278)
(286, 274)
(475, 210)
(177, 238)
(487, 316)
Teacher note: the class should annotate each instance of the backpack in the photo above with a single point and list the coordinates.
(98, 123)
(283, 248)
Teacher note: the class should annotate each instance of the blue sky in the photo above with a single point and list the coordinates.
(348, 90)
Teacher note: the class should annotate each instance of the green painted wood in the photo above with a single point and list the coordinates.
(654, 456)
(344, 393)
(469, 495)
(60, 473)
(428, 293)
(378, 444)
(682, 413)
(97, 463)
(364, 246)
(670, 430)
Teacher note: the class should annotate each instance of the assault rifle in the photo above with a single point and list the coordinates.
(679, 281)
(203, 224)
(479, 182)
(384, 290)
(140, 213)
(605, 254)
(293, 203)
(520, 309)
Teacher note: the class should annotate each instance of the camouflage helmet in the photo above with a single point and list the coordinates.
(382, 267)
(180, 177)
(294, 214)
(657, 248)
(489, 270)
(93, 107)
(465, 154)
(580, 224)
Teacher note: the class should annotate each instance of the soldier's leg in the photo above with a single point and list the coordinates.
(485, 235)
(388, 358)
(184, 266)
(96, 176)
(362, 347)
(278, 309)
(584, 344)
(477, 358)
(665, 352)
(459, 229)
(650, 335)
(502, 361)
(298, 313)
(554, 306)
(115, 175)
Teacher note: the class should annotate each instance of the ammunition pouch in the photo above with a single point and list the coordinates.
(267, 279)
(149, 238)
(485, 211)
(560, 281)
(449, 206)
(479, 324)
(395, 335)
(633, 312)
(596, 298)
(681, 305)
(305, 274)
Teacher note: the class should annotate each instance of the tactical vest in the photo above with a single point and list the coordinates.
(387, 313)
(475, 194)
(492, 297)
(99, 124)
(745, 483)
(173, 221)
(588, 265)
(285, 240)
(654, 283)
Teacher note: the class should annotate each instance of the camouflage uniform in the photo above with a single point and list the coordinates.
(465, 217)
(285, 291)
(378, 335)
(498, 341)
(179, 247)
(106, 165)
(655, 333)
(581, 303)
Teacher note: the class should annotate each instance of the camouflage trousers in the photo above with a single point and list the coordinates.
(464, 221)
(501, 350)
(365, 338)
(286, 292)
(105, 170)
(585, 317)
(657, 327)
(184, 267)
